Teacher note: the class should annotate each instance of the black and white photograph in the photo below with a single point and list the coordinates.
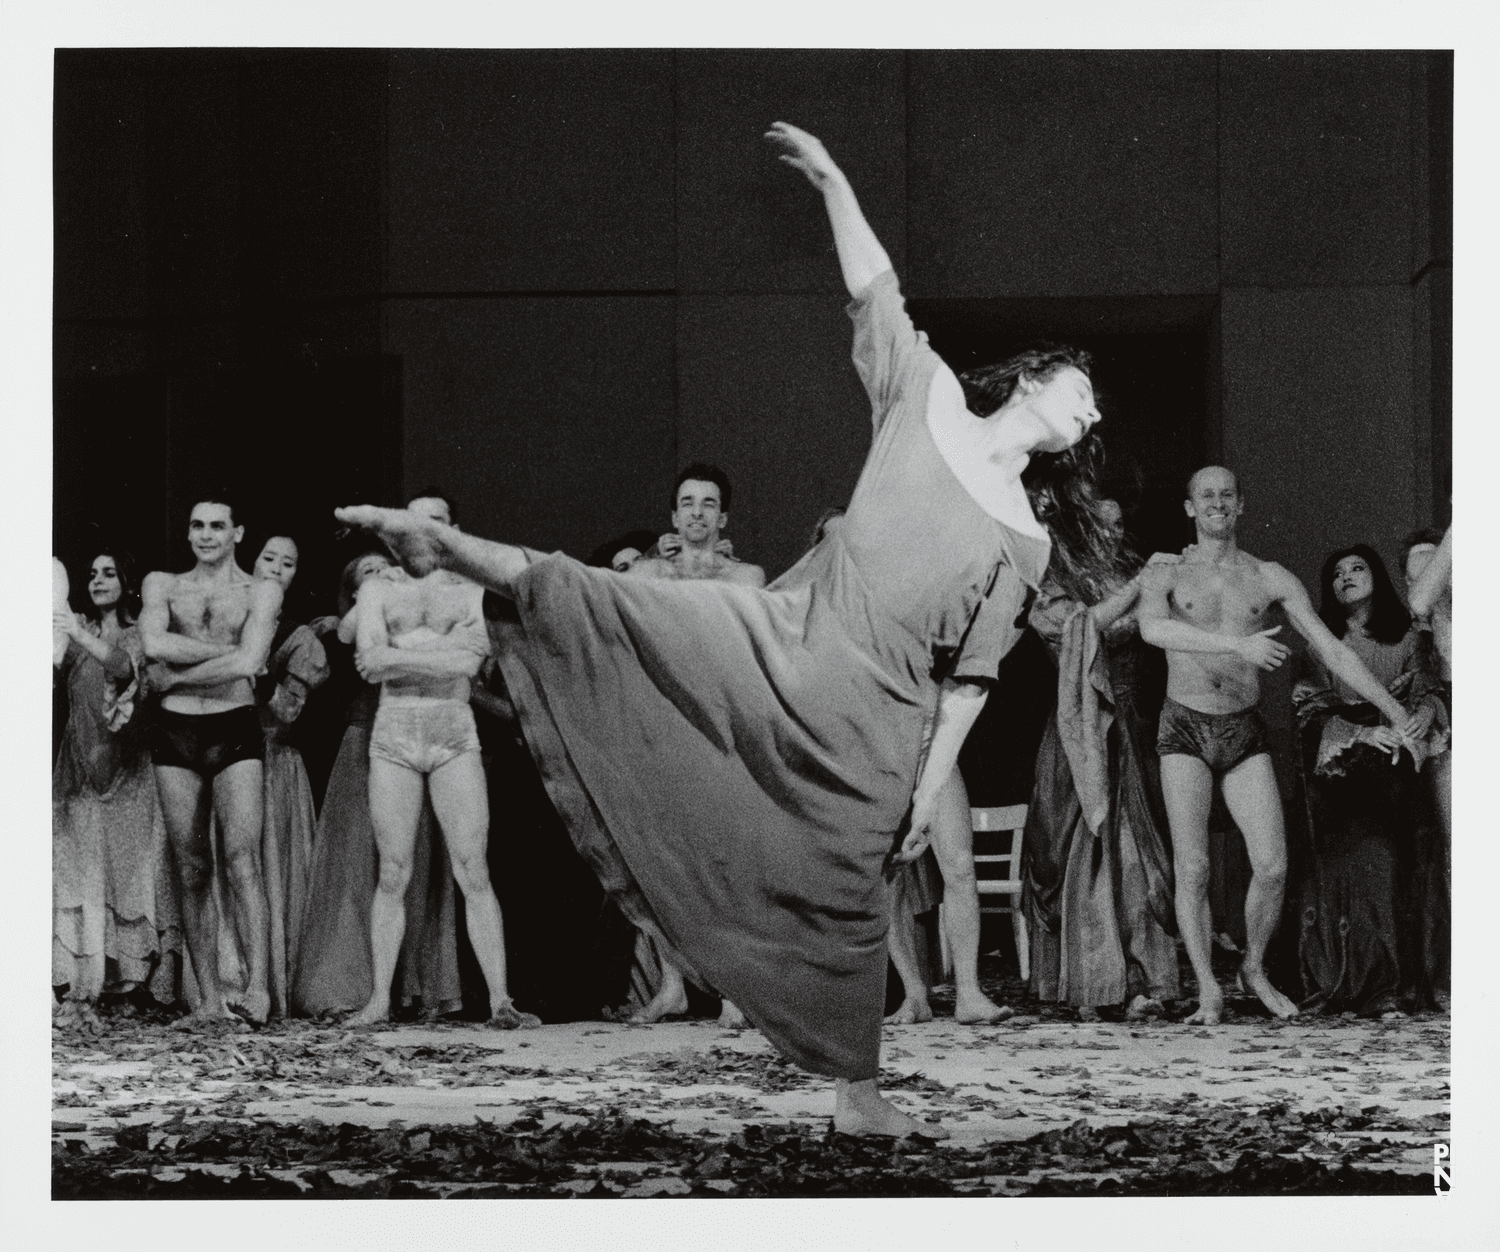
(753, 622)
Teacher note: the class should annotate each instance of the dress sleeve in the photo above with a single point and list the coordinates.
(299, 667)
(888, 349)
(1050, 614)
(122, 699)
(993, 630)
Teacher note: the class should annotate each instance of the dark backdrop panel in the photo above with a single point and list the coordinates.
(1317, 185)
(530, 171)
(745, 221)
(769, 393)
(550, 419)
(1063, 173)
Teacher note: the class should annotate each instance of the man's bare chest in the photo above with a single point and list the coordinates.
(437, 607)
(213, 614)
(1221, 598)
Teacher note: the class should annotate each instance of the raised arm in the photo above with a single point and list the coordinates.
(248, 658)
(1161, 630)
(1286, 587)
(157, 637)
(860, 255)
(1435, 579)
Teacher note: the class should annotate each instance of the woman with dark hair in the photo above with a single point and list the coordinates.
(1096, 857)
(1373, 909)
(740, 764)
(622, 553)
(114, 910)
(334, 969)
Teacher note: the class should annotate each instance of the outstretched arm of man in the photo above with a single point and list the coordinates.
(1161, 630)
(1334, 653)
(247, 659)
(160, 641)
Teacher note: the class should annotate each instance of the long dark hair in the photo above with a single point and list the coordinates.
(128, 607)
(1088, 562)
(1388, 621)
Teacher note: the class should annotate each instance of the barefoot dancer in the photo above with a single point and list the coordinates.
(735, 762)
(423, 640)
(1208, 613)
(700, 511)
(212, 629)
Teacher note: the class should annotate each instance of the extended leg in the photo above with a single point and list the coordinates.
(185, 809)
(901, 941)
(460, 798)
(423, 545)
(395, 808)
(953, 844)
(1253, 801)
(1187, 786)
(239, 804)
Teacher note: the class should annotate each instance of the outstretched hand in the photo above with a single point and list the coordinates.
(803, 152)
(416, 541)
(1262, 651)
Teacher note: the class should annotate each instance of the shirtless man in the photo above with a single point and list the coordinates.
(210, 630)
(700, 512)
(1208, 613)
(423, 640)
(695, 549)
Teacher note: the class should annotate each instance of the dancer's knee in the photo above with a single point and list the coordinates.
(472, 873)
(395, 874)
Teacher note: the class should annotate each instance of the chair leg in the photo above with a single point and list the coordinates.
(1023, 943)
(945, 952)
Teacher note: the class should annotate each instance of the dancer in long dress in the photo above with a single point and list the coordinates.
(1096, 858)
(740, 764)
(1371, 891)
(114, 910)
(334, 971)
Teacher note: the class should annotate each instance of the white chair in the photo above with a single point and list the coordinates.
(999, 877)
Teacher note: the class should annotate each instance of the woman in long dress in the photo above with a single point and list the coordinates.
(1373, 909)
(1096, 856)
(114, 910)
(334, 969)
(740, 764)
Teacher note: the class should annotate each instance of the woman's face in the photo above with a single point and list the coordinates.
(369, 566)
(624, 559)
(104, 583)
(1352, 581)
(278, 561)
(1064, 401)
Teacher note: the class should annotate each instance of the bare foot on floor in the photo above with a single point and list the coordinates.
(204, 1020)
(1255, 980)
(1088, 1013)
(668, 1002)
(373, 1014)
(976, 1009)
(253, 1006)
(77, 1015)
(730, 1017)
(870, 1113)
(909, 1014)
(1210, 1008)
(1142, 1007)
(506, 1016)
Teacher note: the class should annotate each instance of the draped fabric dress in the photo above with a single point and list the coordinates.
(334, 968)
(1369, 884)
(1096, 853)
(115, 922)
(735, 762)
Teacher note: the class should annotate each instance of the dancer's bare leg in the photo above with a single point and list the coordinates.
(730, 1016)
(239, 806)
(953, 845)
(902, 943)
(670, 999)
(274, 876)
(185, 800)
(1252, 799)
(460, 798)
(1187, 785)
(423, 545)
(395, 809)
(860, 1109)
